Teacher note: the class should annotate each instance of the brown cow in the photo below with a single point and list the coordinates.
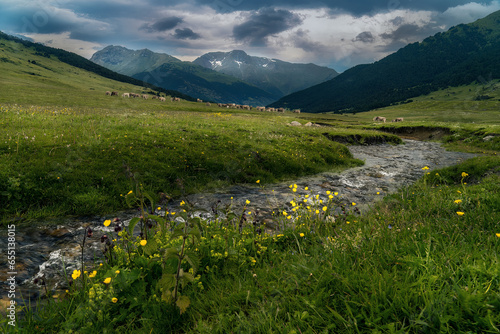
(399, 119)
(108, 92)
(114, 93)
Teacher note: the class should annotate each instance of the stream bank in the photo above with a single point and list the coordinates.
(52, 248)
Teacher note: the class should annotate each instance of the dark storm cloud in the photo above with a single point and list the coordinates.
(35, 19)
(354, 7)
(397, 21)
(264, 23)
(186, 33)
(164, 24)
(365, 37)
(407, 33)
(403, 33)
(303, 41)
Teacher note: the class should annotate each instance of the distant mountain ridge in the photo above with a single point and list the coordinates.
(461, 55)
(273, 75)
(171, 73)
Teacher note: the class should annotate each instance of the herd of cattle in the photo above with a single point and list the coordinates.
(221, 105)
(383, 119)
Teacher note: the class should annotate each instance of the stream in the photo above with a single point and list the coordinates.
(49, 249)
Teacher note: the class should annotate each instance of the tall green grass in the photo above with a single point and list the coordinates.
(78, 161)
(423, 260)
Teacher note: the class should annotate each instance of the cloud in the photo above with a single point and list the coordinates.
(467, 13)
(164, 24)
(264, 23)
(186, 33)
(365, 37)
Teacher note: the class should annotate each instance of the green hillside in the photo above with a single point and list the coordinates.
(460, 56)
(47, 76)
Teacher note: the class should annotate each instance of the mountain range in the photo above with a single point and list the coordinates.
(227, 77)
(273, 75)
(462, 55)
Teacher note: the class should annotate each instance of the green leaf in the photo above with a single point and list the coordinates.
(195, 231)
(193, 260)
(151, 247)
(183, 303)
(132, 224)
(167, 296)
(166, 282)
(171, 253)
(185, 278)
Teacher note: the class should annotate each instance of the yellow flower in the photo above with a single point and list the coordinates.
(307, 196)
(330, 197)
(353, 204)
(117, 272)
(378, 192)
(107, 280)
(328, 192)
(464, 174)
(182, 203)
(249, 212)
(335, 193)
(76, 274)
(317, 211)
(284, 213)
(130, 192)
(460, 213)
(158, 208)
(114, 299)
(301, 235)
(306, 188)
(458, 201)
(498, 235)
(143, 242)
(258, 181)
(425, 168)
(247, 202)
(348, 222)
(92, 274)
(325, 208)
(294, 189)
(107, 222)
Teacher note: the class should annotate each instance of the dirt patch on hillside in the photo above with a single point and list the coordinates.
(418, 132)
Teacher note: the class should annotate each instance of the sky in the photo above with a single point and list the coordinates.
(335, 33)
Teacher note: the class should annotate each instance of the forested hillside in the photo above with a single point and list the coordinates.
(462, 55)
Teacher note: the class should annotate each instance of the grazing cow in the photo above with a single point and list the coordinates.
(125, 95)
(297, 111)
(114, 93)
(145, 96)
(280, 110)
(261, 108)
(379, 119)
(108, 92)
(399, 119)
(155, 97)
(271, 109)
(198, 100)
(208, 104)
(162, 99)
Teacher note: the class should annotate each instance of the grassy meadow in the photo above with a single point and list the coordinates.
(423, 260)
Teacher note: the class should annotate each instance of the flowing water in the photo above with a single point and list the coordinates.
(52, 249)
